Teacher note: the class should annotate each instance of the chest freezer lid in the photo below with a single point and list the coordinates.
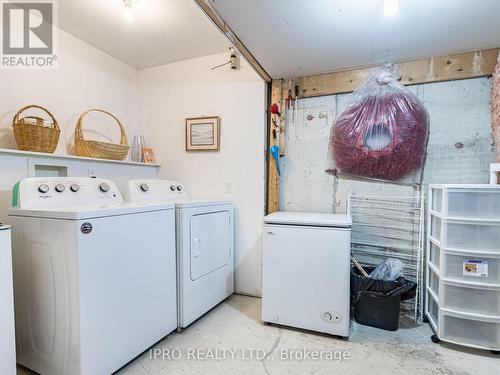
(309, 219)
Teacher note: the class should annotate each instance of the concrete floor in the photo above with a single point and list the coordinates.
(236, 325)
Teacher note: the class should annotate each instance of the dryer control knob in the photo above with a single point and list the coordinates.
(43, 188)
(104, 187)
(74, 188)
(179, 188)
(144, 187)
(172, 187)
(60, 188)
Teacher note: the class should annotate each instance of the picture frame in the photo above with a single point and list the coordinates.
(148, 155)
(203, 133)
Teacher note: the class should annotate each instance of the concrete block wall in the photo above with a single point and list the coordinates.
(460, 146)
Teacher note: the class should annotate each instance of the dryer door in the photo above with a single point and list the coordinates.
(210, 242)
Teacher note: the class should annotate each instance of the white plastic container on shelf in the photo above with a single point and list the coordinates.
(472, 268)
(435, 230)
(472, 236)
(433, 311)
(468, 201)
(471, 299)
(433, 282)
(479, 204)
(434, 254)
(463, 265)
(474, 332)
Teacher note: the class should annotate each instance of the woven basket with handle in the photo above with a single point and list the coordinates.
(99, 149)
(33, 133)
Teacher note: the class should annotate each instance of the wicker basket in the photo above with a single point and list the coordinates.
(34, 133)
(98, 149)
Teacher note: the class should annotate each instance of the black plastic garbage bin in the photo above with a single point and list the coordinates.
(376, 302)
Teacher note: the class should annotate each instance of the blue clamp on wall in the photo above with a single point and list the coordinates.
(275, 152)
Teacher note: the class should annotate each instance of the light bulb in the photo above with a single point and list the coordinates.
(391, 7)
(128, 13)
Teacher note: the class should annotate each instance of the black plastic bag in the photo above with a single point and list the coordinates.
(365, 287)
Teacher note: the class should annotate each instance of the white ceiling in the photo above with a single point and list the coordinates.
(302, 37)
(162, 31)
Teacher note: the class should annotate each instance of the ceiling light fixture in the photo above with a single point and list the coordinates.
(128, 10)
(391, 7)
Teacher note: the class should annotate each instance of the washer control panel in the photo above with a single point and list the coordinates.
(155, 190)
(40, 192)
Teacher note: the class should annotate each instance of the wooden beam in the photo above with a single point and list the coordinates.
(273, 187)
(434, 69)
(231, 36)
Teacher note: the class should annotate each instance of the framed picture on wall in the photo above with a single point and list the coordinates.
(203, 134)
(148, 155)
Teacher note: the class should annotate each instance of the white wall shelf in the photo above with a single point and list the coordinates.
(6, 151)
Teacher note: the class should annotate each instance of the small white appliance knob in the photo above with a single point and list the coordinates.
(74, 188)
(60, 188)
(43, 188)
(179, 188)
(172, 187)
(144, 187)
(104, 187)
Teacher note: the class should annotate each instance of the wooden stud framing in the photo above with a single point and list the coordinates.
(273, 191)
(226, 30)
(434, 69)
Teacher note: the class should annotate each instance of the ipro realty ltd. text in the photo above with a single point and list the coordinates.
(247, 354)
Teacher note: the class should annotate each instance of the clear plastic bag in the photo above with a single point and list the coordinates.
(382, 133)
(389, 270)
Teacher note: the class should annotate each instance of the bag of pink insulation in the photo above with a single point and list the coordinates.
(382, 132)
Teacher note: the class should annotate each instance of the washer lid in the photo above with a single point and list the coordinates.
(201, 203)
(91, 211)
(309, 219)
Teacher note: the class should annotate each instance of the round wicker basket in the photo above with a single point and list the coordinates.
(99, 149)
(33, 133)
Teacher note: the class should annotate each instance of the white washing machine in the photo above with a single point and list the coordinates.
(94, 278)
(205, 245)
(7, 340)
(306, 271)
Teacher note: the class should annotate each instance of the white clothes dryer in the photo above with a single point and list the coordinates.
(205, 245)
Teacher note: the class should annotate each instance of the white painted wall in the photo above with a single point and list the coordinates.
(171, 93)
(85, 78)
(154, 103)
